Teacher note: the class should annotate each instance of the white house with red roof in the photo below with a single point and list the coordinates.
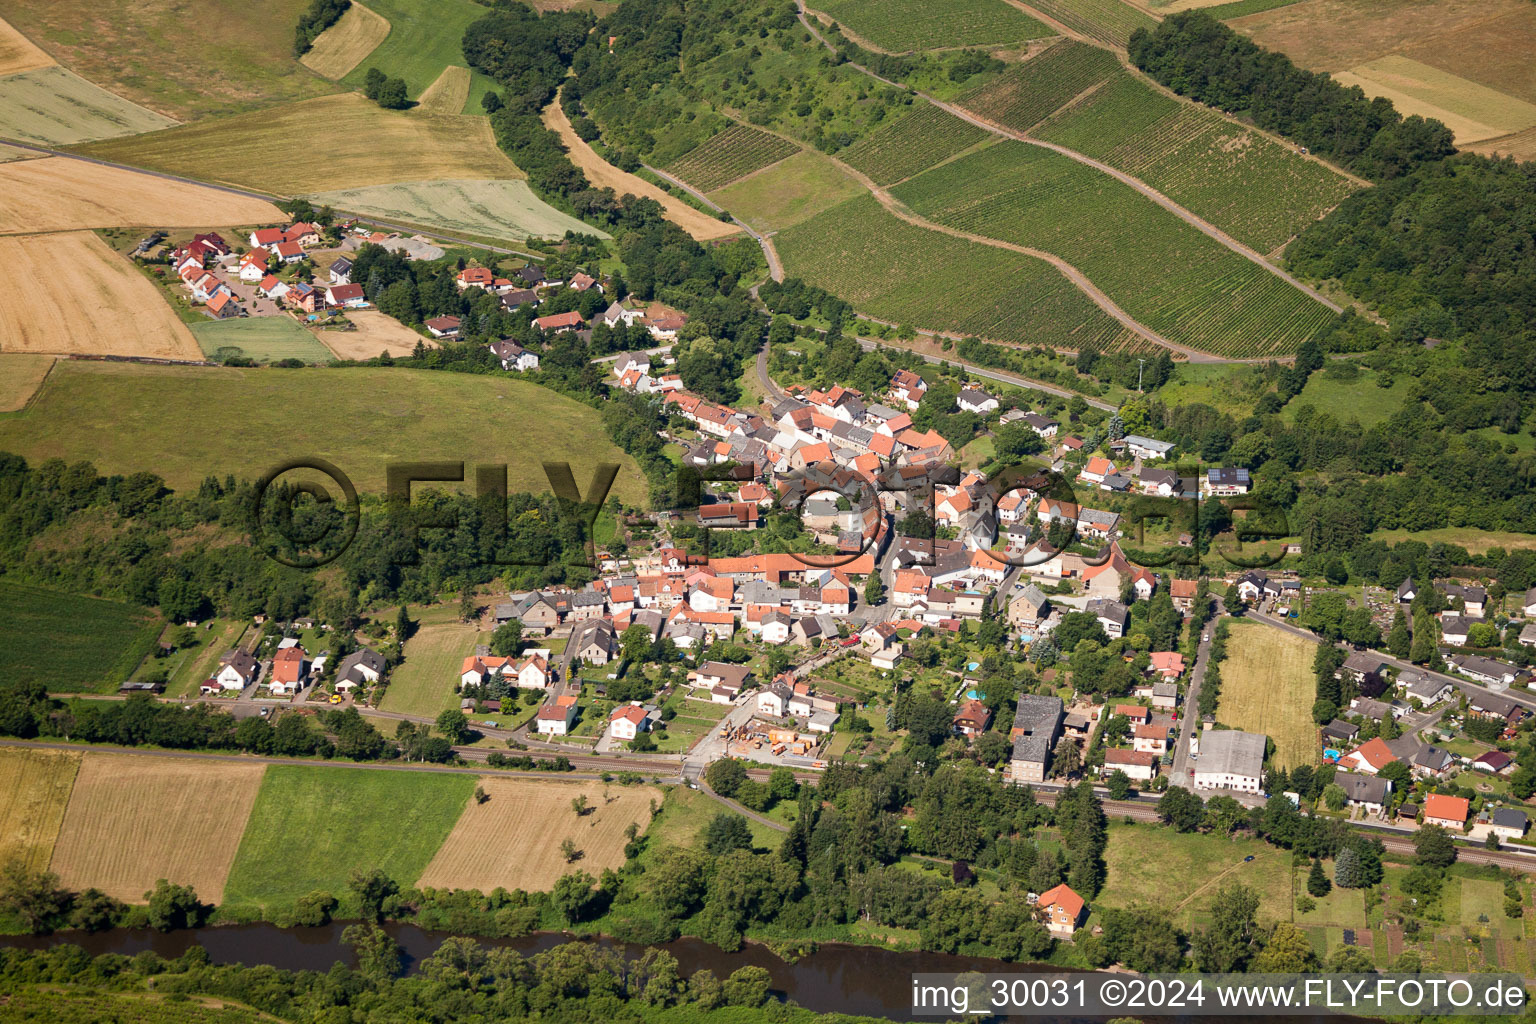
(475, 277)
(348, 295)
(272, 288)
(557, 322)
(908, 388)
(266, 237)
(627, 721)
(1063, 910)
(289, 252)
(287, 671)
(556, 717)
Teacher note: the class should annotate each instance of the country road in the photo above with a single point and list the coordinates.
(770, 254)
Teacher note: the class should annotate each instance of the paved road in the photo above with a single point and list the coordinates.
(775, 268)
(1191, 719)
(997, 375)
(775, 393)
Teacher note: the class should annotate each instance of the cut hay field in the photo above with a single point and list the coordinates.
(1521, 145)
(376, 332)
(911, 144)
(363, 144)
(1027, 93)
(311, 827)
(57, 193)
(20, 376)
(265, 339)
(55, 107)
(899, 26)
(161, 55)
(68, 293)
(1250, 186)
(135, 818)
(1486, 41)
(732, 154)
(71, 643)
(126, 417)
(34, 790)
(490, 209)
(1164, 272)
(1111, 22)
(1267, 687)
(18, 53)
(513, 839)
(602, 174)
(1473, 112)
(425, 37)
(342, 47)
(863, 253)
(448, 93)
(789, 192)
(423, 683)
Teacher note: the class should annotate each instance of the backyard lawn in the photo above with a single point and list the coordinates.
(1267, 687)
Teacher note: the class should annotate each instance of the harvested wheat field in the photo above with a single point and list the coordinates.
(343, 46)
(54, 107)
(20, 377)
(68, 293)
(602, 174)
(513, 839)
(58, 193)
(135, 818)
(449, 93)
(1473, 112)
(364, 144)
(18, 53)
(376, 332)
(34, 790)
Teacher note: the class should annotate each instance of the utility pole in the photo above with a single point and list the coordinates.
(1141, 364)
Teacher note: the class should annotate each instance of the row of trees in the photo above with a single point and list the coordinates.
(319, 16)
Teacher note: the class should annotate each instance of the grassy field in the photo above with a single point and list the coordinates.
(20, 376)
(1028, 93)
(1255, 189)
(343, 46)
(61, 194)
(311, 827)
(1142, 859)
(133, 819)
(911, 144)
(129, 417)
(1267, 686)
(363, 144)
(162, 56)
(1109, 21)
(513, 839)
(55, 107)
(95, 301)
(864, 254)
(788, 193)
(732, 154)
(34, 790)
(191, 667)
(684, 813)
(265, 339)
(18, 53)
(376, 332)
(902, 25)
(1358, 399)
(1160, 270)
(72, 644)
(1474, 112)
(505, 209)
(424, 39)
(423, 683)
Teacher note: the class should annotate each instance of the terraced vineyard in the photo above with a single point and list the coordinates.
(1250, 186)
(933, 281)
(730, 155)
(1109, 21)
(1165, 273)
(903, 25)
(911, 144)
(1028, 93)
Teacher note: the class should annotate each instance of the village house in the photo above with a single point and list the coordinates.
(1138, 765)
(1063, 910)
(1036, 724)
(444, 326)
(1449, 812)
(1369, 758)
(556, 717)
(349, 296)
(340, 271)
(972, 719)
(1224, 482)
(1367, 792)
(1044, 426)
(236, 671)
(975, 400)
(627, 721)
(513, 356)
(1147, 447)
(1151, 739)
(908, 388)
(287, 671)
(557, 322)
(594, 642)
(359, 668)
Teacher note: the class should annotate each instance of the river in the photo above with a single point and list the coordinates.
(837, 978)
